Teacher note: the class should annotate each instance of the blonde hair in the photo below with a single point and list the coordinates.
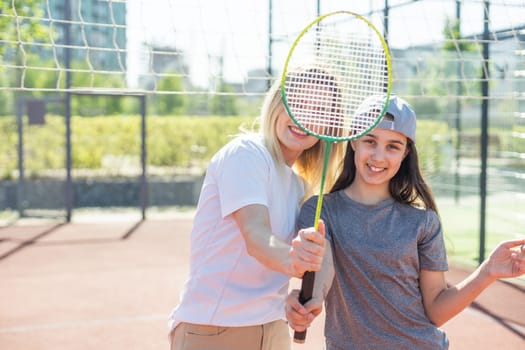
(309, 165)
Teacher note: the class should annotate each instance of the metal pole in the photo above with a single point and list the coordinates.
(143, 158)
(20, 201)
(459, 92)
(67, 63)
(385, 20)
(484, 131)
(270, 43)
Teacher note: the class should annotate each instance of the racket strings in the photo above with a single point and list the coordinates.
(339, 68)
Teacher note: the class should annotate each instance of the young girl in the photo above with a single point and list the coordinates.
(243, 250)
(385, 253)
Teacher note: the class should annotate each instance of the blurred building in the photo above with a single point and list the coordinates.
(97, 32)
(163, 62)
(426, 73)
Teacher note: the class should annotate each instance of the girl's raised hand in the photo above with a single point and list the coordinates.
(507, 260)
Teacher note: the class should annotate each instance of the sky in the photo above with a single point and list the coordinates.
(237, 30)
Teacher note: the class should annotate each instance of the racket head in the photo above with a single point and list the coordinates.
(337, 65)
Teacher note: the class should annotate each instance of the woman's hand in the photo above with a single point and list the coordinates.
(308, 249)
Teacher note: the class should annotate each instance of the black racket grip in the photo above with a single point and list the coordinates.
(307, 288)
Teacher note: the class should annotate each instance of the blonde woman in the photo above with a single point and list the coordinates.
(244, 247)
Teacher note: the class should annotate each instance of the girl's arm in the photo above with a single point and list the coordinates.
(300, 316)
(442, 303)
(304, 254)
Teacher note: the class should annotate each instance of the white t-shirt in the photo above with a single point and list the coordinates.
(226, 286)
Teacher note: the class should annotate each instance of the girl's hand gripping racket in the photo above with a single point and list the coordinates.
(336, 86)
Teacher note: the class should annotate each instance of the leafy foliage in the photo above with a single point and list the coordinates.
(173, 142)
(173, 104)
(223, 104)
(453, 42)
(24, 27)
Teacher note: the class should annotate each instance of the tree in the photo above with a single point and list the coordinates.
(19, 25)
(438, 76)
(453, 40)
(171, 102)
(18, 22)
(222, 103)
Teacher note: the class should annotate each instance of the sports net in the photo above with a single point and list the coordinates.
(461, 64)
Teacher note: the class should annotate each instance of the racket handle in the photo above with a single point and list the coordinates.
(307, 288)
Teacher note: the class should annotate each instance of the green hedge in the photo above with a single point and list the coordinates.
(175, 142)
(172, 142)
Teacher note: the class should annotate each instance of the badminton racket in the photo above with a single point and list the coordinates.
(336, 86)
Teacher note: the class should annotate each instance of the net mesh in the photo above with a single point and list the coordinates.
(450, 59)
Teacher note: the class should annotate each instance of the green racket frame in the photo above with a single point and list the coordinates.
(309, 277)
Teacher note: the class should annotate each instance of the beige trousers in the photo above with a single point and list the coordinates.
(270, 336)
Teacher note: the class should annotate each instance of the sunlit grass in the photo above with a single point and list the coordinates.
(461, 225)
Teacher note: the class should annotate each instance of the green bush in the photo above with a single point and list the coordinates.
(432, 138)
(173, 142)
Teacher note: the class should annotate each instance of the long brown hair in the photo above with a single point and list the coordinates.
(408, 185)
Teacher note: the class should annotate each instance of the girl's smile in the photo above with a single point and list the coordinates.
(378, 157)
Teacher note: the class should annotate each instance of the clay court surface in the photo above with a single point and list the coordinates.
(109, 283)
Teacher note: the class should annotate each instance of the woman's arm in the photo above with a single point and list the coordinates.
(442, 303)
(304, 254)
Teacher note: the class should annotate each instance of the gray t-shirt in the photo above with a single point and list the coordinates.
(378, 250)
